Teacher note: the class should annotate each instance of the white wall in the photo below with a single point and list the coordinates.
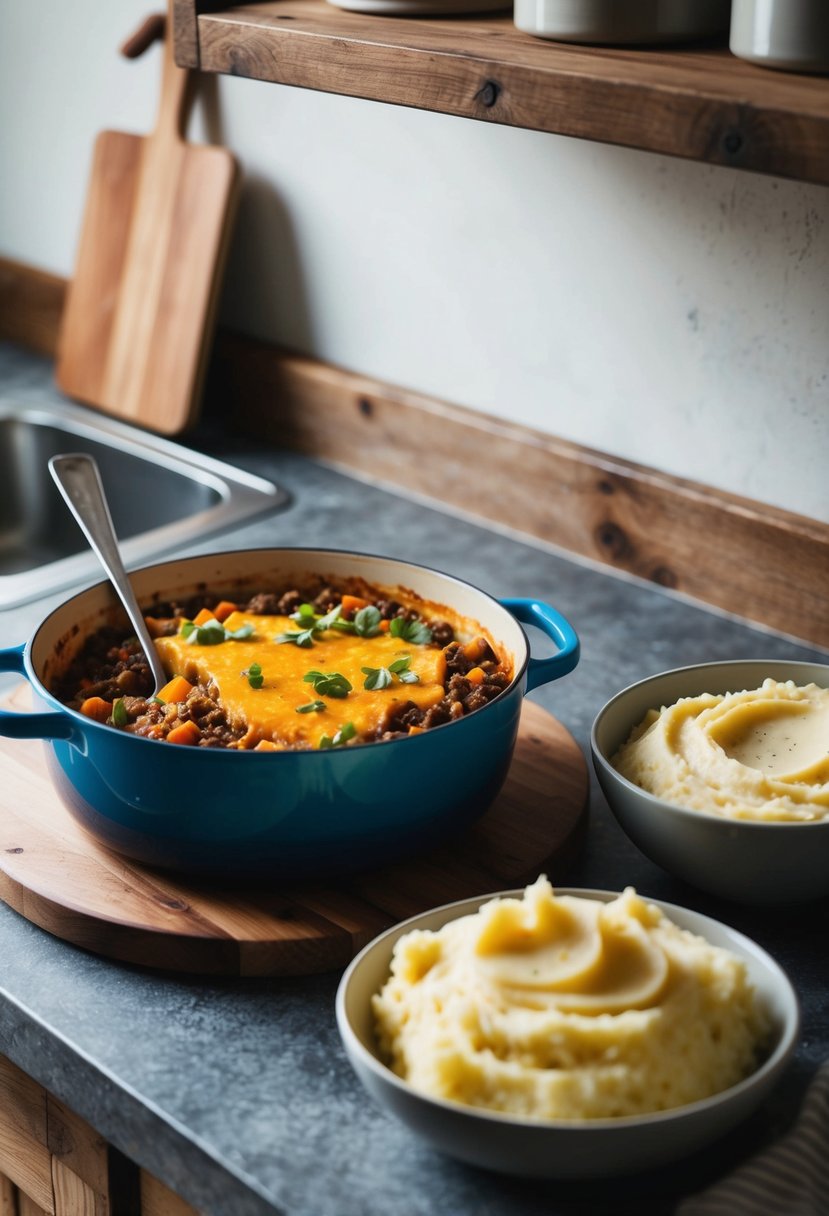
(668, 312)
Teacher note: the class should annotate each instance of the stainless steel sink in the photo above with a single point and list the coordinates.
(162, 496)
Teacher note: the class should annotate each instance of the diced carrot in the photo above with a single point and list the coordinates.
(415, 730)
(475, 650)
(385, 626)
(476, 676)
(202, 616)
(187, 733)
(175, 690)
(223, 609)
(96, 708)
(352, 604)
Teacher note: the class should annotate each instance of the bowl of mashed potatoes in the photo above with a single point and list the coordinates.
(566, 1034)
(720, 774)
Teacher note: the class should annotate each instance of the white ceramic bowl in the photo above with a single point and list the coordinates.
(561, 1149)
(736, 859)
(618, 22)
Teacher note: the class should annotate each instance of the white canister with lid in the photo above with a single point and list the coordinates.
(788, 34)
(617, 22)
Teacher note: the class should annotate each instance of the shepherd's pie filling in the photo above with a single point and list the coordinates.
(296, 669)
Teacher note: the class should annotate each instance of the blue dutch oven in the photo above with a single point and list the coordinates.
(280, 814)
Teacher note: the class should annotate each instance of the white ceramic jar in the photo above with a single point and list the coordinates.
(788, 34)
(617, 22)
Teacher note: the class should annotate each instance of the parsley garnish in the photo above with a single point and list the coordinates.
(254, 675)
(328, 684)
(314, 625)
(376, 677)
(240, 634)
(381, 677)
(299, 637)
(330, 619)
(410, 631)
(213, 632)
(366, 623)
(347, 731)
(311, 708)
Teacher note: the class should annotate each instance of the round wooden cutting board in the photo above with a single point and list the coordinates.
(58, 877)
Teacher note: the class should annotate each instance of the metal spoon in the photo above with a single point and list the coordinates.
(79, 481)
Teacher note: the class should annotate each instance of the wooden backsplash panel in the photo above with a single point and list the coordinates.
(31, 304)
(757, 561)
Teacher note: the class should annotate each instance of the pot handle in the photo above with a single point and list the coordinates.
(51, 725)
(556, 627)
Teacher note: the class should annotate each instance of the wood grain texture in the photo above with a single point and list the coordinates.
(185, 33)
(73, 1196)
(77, 1148)
(51, 1160)
(8, 1197)
(31, 304)
(27, 1206)
(158, 1200)
(759, 562)
(24, 1156)
(54, 874)
(695, 102)
(141, 304)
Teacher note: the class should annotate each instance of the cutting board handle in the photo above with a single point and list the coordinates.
(174, 101)
(152, 28)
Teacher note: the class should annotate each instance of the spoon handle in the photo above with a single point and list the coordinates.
(79, 481)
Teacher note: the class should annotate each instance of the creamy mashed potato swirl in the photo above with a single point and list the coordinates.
(760, 754)
(560, 1007)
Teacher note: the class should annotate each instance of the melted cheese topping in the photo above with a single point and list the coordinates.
(270, 712)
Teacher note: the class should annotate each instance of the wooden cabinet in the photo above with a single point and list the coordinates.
(698, 102)
(52, 1163)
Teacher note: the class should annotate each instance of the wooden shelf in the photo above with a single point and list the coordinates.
(699, 102)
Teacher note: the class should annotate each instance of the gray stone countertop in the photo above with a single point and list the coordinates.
(237, 1094)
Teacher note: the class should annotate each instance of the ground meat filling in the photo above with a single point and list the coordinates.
(462, 696)
(113, 670)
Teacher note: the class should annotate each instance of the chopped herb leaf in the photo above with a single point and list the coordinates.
(328, 684)
(311, 708)
(376, 677)
(381, 677)
(347, 731)
(239, 635)
(300, 637)
(400, 668)
(314, 625)
(254, 675)
(410, 631)
(330, 618)
(367, 622)
(213, 633)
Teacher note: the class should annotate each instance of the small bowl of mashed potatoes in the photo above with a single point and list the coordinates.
(720, 774)
(566, 1034)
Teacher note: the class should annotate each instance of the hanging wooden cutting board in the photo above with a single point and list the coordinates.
(141, 304)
